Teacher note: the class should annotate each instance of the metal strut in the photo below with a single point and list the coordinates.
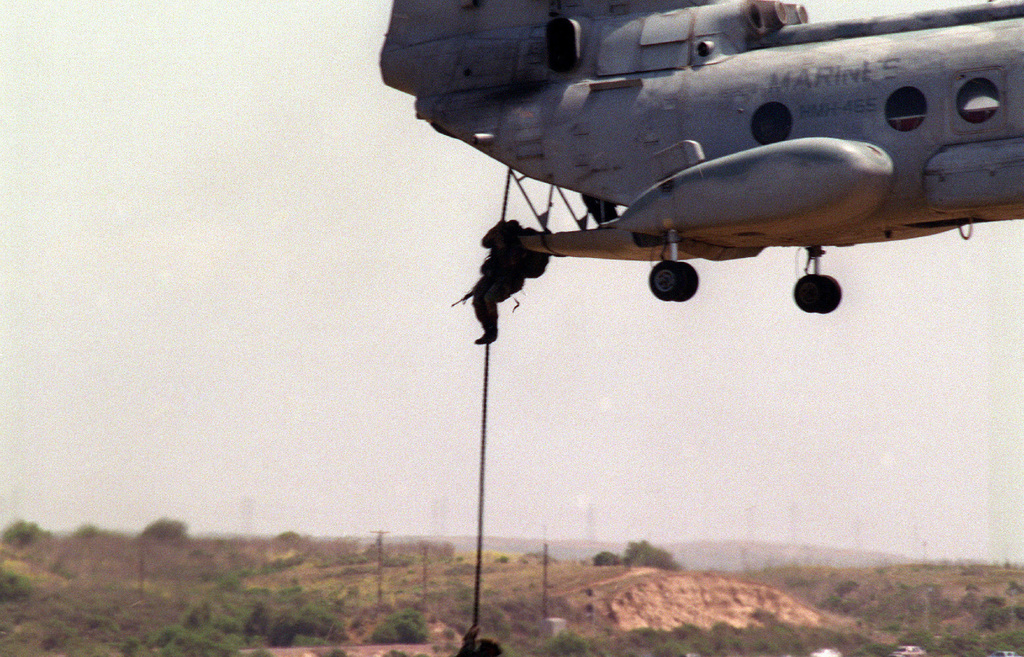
(543, 217)
(673, 245)
(814, 254)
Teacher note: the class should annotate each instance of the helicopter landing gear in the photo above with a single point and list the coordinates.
(672, 280)
(815, 293)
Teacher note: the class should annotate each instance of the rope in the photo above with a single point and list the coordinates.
(480, 511)
(508, 186)
(483, 450)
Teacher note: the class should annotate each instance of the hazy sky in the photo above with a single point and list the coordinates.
(229, 256)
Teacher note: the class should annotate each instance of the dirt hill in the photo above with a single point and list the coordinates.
(647, 598)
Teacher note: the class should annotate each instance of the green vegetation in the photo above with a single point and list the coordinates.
(166, 530)
(403, 626)
(13, 587)
(22, 534)
(607, 559)
(96, 593)
(645, 554)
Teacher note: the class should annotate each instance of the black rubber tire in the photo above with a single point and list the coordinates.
(673, 281)
(832, 297)
(817, 294)
(692, 282)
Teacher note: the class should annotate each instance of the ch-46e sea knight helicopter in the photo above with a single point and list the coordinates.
(729, 127)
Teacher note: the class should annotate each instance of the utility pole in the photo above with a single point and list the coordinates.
(544, 585)
(380, 565)
(142, 566)
(426, 552)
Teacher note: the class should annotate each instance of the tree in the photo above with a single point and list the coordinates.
(22, 534)
(166, 530)
(645, 554)
(607, 559)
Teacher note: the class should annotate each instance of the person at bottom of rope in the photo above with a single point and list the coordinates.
(472, 647)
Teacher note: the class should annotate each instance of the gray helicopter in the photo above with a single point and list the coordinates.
(729, 127)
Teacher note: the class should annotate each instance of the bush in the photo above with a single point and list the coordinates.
(13, 587)
(131, 647)
(404, 626)
(645, 554)
(22, 534)
(312, 621)
(567, 643)
(607, 559)
(166, 530)
(178, 640)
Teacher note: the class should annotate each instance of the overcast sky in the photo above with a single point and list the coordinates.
(229, 258)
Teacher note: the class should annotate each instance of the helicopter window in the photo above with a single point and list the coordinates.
(906, 108)
(771, 123)
(563, 37)
(978, 100)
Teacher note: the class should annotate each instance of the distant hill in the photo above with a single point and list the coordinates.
(728, 556)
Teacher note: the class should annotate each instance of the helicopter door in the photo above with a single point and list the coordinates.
(639, 45)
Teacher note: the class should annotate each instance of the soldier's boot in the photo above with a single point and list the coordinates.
(490, 334)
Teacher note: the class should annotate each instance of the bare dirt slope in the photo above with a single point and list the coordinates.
(646, 598)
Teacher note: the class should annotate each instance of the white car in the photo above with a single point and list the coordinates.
(908, 651)
(827, 652)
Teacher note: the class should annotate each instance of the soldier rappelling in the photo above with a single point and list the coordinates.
(503, 273)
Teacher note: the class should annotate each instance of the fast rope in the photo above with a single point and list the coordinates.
(483, 450)
(480, 511)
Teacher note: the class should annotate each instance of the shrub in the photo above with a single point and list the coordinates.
(607, 559)
(22, 534)
(567, 643)
(403, 626)
(166, 530)
(175, 640)
(312, 621)
(13, 587)
(645, 554)
(131, 647)
(258, 622)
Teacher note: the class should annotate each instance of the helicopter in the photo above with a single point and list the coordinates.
(721, 129)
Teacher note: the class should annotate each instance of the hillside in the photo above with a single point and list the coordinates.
(99, 594)
(731, 556)
(645, 598)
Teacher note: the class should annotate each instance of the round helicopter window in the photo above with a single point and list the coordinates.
(978, 100)
(772, 123)
(906, 108)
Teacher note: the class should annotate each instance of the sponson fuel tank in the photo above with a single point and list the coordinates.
(800, 186)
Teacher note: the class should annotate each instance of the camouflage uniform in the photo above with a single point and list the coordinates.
(503, 273)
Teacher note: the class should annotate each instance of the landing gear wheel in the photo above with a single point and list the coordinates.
(674, 281)
(817, 294)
